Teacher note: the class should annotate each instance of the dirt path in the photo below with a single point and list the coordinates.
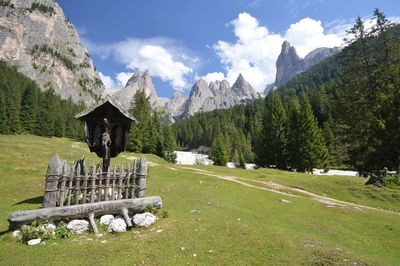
(274, 187)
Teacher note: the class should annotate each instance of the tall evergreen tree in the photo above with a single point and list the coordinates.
(274, 132)
(4, 128)
(293, 146)
(312, 147)
(140, 134)
(29, 109)
(218, 151)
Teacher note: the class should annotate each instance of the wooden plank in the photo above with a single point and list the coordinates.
(54, 171)
(141, 178)
(93, 183)
(133, 186)
(70, 186)
(119, 183)
(63, 181)
(127, 185)
(77, 184)
(83, 210)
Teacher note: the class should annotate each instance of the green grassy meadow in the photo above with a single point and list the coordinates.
(211, 221)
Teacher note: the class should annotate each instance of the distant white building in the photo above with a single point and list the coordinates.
(190, 158)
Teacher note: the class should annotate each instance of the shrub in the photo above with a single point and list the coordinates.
(391, 181)
(42, 8)
(37, 230)
(62, 231)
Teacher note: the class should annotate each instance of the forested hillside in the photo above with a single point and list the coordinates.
(24, 108)
(355, 120)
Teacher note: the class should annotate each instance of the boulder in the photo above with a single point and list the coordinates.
(34, 241)
(117, 226)
(144, 219)
(17, 234)
(78, 226)
(106, 219)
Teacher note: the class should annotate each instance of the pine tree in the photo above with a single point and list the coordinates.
(140, 135)
(218, 151)
(274, 132)
(312, 148)
(29, 109)
(4, 128)
(293, 147)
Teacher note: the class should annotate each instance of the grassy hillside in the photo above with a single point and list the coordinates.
(213, 221)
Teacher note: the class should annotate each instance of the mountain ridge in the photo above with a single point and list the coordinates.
(43, 44)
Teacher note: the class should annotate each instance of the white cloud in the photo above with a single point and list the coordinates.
(107, 80)
(213, 76)
(163, 57)
(308, 34)
(123, 78)
(256, 49)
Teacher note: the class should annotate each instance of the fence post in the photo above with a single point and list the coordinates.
(54, 171)
(93, 184)
(141, 178)
(128, 176)
(63, 180)
(133, 179)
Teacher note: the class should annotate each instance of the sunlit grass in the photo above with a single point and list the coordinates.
(211, 221)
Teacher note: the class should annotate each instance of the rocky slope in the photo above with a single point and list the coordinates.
(39, 40)
(218, 95)
(175, 104)
(140, 81)
(289, 63)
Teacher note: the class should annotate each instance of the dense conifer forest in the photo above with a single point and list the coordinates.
(343, 112)
(24, 108)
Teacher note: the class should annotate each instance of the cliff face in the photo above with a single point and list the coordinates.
(218, 95)
(289, 64)
(39, 40)
(140, 81)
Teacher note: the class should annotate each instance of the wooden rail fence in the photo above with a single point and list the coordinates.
(74, 184)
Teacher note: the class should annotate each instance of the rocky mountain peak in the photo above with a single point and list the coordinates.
(42, 43)
(139, 77)
(319, 54)
(138, 82)
(288, 64)
(243, 89)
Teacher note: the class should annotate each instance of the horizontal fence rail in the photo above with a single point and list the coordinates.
(74, 184)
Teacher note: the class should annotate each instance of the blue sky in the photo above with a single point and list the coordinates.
(182, 40)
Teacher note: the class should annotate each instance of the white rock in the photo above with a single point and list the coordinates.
(78, 226)
(50, 227)
(117, 226)
(17, 234)
(106, 219)
(144, 219)
(35, 241)
(285, 201)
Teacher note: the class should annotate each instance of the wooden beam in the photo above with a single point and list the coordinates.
(84, 210)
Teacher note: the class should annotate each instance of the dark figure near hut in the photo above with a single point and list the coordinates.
(106, 129)
(106, 145)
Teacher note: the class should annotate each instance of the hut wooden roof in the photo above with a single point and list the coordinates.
(100, 103)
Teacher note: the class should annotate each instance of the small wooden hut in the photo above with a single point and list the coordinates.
(119, 123)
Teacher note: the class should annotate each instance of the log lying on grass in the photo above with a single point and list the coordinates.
(86, 210)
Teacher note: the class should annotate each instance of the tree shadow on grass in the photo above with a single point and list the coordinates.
(36, 200)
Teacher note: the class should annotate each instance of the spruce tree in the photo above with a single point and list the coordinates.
(140, 133)
(274, 132)
(29, 109)
(312, 147)
(293, 146)
(4, 128)
(218, 152)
